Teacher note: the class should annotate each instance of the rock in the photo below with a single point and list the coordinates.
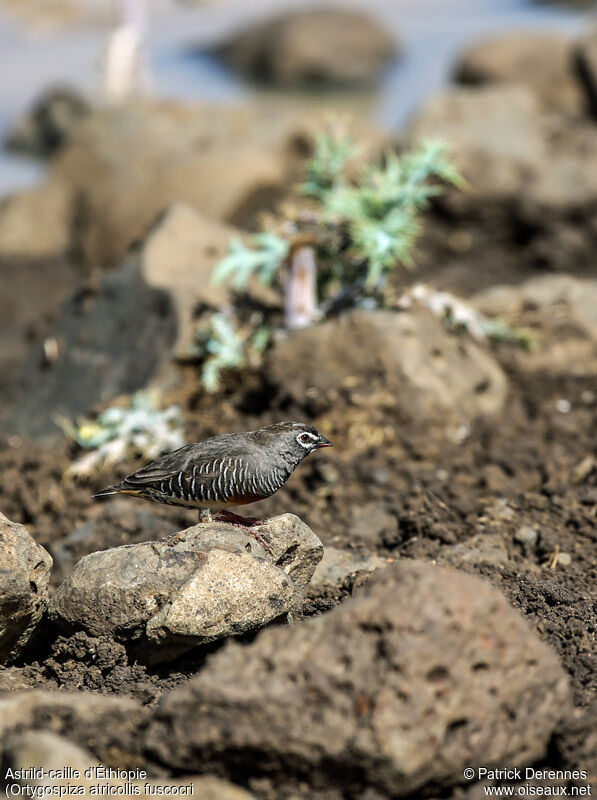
(49, 124)
(545, 292)
(568, 310)
(207, 582)
(526, 536)
(406, 361)
(585, 59)
(111, 339)
(36, 224)
(425, 672)
(371, 524)
(45, 750)
(24, 577)
(541, 61)
(125, 166)
(46, 284)
(109, 727)
(512, 153)
(179, 256)
(308, 48)
(338, 573)
(482, 548)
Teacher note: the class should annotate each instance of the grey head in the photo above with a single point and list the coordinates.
(290, 442)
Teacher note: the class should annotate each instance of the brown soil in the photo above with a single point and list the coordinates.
(389, 487)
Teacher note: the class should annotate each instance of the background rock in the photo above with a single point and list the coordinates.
(510, 151)
(24, 576)
(542, 61)
(309, 47)
(425, 672)
(407, 360)
(46, 750)
(49, 124)
(125, 166)
(109, 727)
(204, 583)
(111, 338)
(568, 308)
(337, 574)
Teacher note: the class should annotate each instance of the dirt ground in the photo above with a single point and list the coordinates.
(514, 500)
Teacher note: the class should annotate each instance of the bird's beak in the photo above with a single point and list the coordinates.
(323, 442)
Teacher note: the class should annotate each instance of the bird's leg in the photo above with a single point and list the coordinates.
(246, 523)
(236, 519)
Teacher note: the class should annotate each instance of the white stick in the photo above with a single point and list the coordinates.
(300, 301)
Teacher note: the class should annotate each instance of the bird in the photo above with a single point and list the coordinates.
(232, 469)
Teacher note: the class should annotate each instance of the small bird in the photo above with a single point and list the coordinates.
(233, 469)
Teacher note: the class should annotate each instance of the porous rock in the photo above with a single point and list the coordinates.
(204, 583)
(425, 672)
(309, 47)
(24, 576)
(407, 361)
(109, 727)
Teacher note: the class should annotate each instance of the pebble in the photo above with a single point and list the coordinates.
(527, 536)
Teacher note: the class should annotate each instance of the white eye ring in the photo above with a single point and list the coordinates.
(310, 436)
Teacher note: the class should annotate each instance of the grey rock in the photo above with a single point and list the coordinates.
(483, 548)
(45, 750)
(338, 574)
(406, 361)
(537, 166)
(50, 122)
(110, 340)
(204, 583)
(425, 672)
(308, 48)
(568, 308)
(527, 536)
(24, 576)
(109, 727)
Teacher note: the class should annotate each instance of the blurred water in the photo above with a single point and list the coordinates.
(432, 33)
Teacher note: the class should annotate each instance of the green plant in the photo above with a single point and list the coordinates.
(263, 261)
(137, 428)
(381, 207)
(361, 226)
(222, 346)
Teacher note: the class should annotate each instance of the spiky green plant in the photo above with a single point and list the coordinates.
(263, 260)
(222, 345)
(381, 208)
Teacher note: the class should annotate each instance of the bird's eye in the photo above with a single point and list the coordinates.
(306, 438)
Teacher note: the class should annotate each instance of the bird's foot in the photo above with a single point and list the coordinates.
(230, 516)
(247, 524)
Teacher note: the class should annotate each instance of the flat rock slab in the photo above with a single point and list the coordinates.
(24, 577)
(204, 583)
(425, 672)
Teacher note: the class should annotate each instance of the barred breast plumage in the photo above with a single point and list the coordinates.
(224, 471)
